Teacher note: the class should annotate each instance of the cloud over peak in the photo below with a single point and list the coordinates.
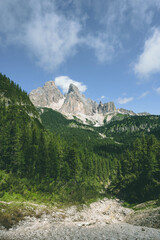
(64, 82)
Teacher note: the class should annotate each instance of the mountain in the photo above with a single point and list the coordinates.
(75, 104)
(47, 96)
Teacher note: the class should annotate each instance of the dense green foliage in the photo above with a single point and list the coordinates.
(130, 127)
(71, 130)
(139, 171)
(68, 159)
(11, 93)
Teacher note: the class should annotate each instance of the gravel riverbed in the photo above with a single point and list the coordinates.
(104, 219)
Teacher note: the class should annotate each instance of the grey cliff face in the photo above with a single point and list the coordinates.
(46, 95)
(106, 107)
(124, 111)
(73, 89)
(76, 103)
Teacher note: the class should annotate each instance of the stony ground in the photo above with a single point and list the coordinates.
(147, 218)
(104, 219)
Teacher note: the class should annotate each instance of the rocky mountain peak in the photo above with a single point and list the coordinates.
(106, 107)
(74, 103)
(50, 84)
(46, 96)
(73, 89)
(100, 104)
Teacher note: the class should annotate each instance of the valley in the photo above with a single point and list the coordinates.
(51, 157)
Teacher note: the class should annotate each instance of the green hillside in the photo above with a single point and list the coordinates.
(123, 130)
(131, 127)
(70, 130)
(120, 145)
(11, 93)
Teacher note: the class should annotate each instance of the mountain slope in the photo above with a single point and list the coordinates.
(123, 127)
(11, 93)
(72, 130)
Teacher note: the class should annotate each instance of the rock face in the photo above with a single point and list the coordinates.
(144, 114)
(46, 96)
(124, 111)
(74, 103)
(106, 107)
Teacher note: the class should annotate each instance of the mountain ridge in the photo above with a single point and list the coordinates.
(75, 104)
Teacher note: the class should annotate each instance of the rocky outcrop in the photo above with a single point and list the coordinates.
(124, 111)
(76, 103)
(143, 114)
(106, 107)
(46, 96)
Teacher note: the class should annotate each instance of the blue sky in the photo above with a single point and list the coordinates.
(109, 49)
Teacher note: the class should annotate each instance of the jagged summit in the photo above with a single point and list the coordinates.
(50, 83)
(74, 103)
(73, 88)
(46, 96)
(106, 107)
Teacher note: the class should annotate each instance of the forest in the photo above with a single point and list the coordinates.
(43, 155)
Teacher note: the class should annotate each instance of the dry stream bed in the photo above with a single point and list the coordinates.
(104, 219)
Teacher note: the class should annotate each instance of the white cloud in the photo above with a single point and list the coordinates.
(143, 94)
(64, 81)
(124, 100)
(51, 31)
(102, 97)
(158, 90)
(138, 13)
(49, 36)
(143, 12)
(149, 61)
(103, 46)
(52, 39)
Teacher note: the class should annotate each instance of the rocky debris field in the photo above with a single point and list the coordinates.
(148, 218)
(105, 219)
